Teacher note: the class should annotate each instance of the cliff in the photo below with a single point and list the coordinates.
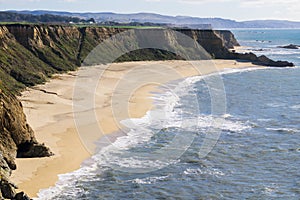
(29, 54)
(16, 140)
(228, 38)
(32, 53)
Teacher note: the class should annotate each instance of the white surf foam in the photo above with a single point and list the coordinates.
(141, 130)
(283, 129)
(276, 105)
(295, 107)
(204, 171)
(149, 180)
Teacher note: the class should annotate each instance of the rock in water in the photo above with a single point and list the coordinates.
(261, 60)
(291, 46)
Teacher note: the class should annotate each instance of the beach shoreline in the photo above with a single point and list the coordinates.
(51, 113)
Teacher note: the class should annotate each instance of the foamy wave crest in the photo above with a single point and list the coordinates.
(295, 107)
(280, 52)
(205, 171)
(242, 70)
(227, 125)
(286, 130)
(66, 184)
(149, 180)
(276, 105)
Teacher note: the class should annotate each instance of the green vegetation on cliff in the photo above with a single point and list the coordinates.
(29, 54)
(29, 18)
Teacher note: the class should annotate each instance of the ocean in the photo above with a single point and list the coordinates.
(256, 156)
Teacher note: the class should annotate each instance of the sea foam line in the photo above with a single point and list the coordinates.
(66, 182)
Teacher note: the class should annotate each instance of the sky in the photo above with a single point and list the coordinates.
(230, 9)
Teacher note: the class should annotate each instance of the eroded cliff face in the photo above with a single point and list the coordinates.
(29, 54)
(16, 140)
(228, 39)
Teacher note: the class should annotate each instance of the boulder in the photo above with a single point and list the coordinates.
(7, 190)
(32, 150)
(21, 196)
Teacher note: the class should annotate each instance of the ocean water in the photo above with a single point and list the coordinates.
(266, 42)
(257, 155)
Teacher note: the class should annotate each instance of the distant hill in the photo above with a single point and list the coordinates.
(42, 18)
(217, 23)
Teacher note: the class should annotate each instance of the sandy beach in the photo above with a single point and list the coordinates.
(123, 91)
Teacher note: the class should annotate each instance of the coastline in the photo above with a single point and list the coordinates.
(51, 115)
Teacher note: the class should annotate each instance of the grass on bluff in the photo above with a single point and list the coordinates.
(83, 25)
(115, 26)
(15, 23)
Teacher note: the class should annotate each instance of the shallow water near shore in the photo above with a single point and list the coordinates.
(257, 147)
(256, 157)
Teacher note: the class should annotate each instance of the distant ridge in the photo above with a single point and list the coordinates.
(43, 18)
(217, 23)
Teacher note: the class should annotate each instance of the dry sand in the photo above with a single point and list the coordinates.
(119, 91)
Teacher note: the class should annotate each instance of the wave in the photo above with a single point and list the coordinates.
(295, 107)
(240, 70)
(149, 180)
(205, 122)
(285, 130)
(167, 114)
(271, 190)
(280, 52)
(270, 50)
(205, 171)
(276, 105)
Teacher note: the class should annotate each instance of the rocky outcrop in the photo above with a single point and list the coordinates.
(216, 44)
(262, 60)
(16, 140)
(290, 46)
(228, 39)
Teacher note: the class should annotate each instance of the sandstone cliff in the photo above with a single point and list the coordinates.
(16, 140)
(29, 54)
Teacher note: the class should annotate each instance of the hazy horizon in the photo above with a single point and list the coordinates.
(239, 10)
